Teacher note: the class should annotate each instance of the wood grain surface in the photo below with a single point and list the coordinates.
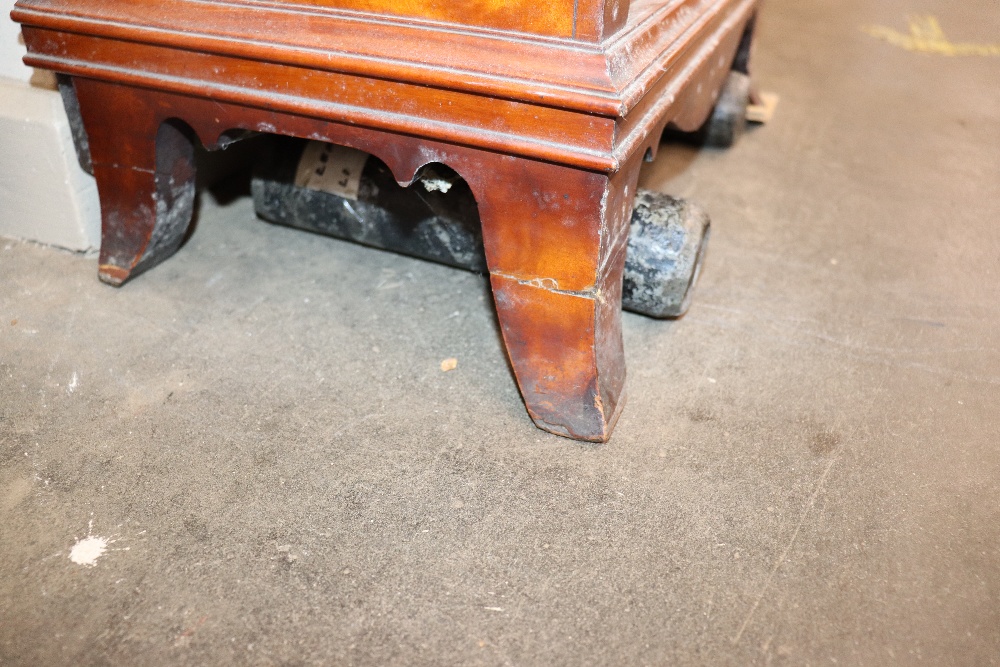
(547, 115)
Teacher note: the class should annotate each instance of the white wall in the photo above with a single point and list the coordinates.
(46, 196)
(11, 49)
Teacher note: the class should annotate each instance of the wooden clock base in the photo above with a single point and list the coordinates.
(550, 143)
(562, 328)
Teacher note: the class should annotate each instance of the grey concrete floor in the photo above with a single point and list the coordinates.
(807, 472)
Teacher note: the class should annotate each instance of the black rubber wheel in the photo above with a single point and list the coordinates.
(729, 118)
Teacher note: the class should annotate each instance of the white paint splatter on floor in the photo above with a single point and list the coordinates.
(89, 549)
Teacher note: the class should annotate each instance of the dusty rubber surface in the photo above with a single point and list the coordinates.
(278, 472)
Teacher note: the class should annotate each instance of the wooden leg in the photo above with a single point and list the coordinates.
(144, 169)
(555, 241)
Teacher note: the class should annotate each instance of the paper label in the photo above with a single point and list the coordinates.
(333, 169)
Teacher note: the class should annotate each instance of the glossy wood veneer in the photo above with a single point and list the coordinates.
(547, 123)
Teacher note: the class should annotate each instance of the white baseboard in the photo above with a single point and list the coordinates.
(44, 194)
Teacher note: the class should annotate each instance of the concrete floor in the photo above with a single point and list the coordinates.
(807, 472)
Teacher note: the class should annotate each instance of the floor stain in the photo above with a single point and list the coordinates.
(927, 36)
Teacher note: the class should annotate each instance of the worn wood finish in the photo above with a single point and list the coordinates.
(145, 175)
(547, 113)
(556, 253)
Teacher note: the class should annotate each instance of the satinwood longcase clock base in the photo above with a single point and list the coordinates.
(546, 115)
